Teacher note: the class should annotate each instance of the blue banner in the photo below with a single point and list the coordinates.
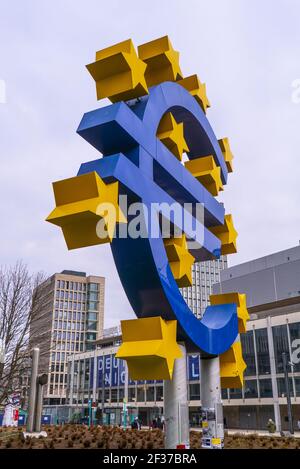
(121, 373)
(107, 370)
(100, 367)
(114, 371)
(193, 367)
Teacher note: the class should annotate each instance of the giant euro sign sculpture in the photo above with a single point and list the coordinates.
(157, 115)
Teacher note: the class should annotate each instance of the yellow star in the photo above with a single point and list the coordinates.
(197, 89)
(180, 260)
(240, 300)
(227, 235)
(232, 367)
(171, 135)
(227, 153)
(149, 347)
(119, 73)
(162, 61)
(81, 203)
(205, 170)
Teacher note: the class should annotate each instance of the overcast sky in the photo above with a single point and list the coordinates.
(248, 53)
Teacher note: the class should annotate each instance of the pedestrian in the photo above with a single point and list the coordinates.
(154, 424)
(134, 425)
(271, 426)
(159, 423)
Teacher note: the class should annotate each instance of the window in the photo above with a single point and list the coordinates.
(150, 393)
(248, 353)
(265, 388)
(141, 394)
(282, 387)
(297, 386)
(91, 336)
(250, 389)
(235, 393)
(93, 286)
(93, 296)
(194, 392)
(107, 395)
(92, 305)
(262, 350)
(281, 345)
(121, 394)
(159, 393)
(294, 330)
(91, 326)
(92, 316)
(131, 394)
(224, 393)
(114, 395)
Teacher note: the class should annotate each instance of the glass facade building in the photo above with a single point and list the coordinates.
(72, 318)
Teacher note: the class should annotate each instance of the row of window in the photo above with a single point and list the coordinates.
(67, 335)
(62, 356)
(77, 296)
(73, 305)
(255, 346)
(71, 315)
(155, 393)
(69, 346)
(67, 325)
(65, 284)
(263, 389)
(58, 378)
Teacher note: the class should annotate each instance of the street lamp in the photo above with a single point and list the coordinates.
(288, 395)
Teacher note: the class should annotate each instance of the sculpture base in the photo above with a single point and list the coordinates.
(176, 406)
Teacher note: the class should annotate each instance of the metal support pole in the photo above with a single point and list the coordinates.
(273, 375)
(212, 410)
(288, 394)
(32, 392)
(38, 408)
(176, 405)
(102, 392)
(41, 381)
(125, 402)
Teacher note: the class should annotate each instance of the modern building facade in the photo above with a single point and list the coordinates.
(272, 285)
(69, 321)
(204, 276)
(99, 377)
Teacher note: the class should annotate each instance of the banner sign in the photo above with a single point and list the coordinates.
(193, 367)
(114, 371)
(11, 411)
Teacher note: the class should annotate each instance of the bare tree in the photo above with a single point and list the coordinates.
(20, 299)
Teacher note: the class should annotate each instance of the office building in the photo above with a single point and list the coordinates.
(204, 276)
(272, 286)
(70, 321)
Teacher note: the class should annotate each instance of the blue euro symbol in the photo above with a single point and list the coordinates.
(125, 133)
